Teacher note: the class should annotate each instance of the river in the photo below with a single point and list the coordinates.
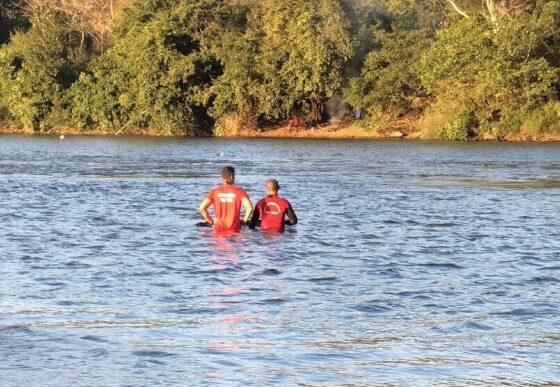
(414, 263)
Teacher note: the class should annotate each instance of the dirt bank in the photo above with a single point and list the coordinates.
(342, 131)
(348, 131)
(328, 131)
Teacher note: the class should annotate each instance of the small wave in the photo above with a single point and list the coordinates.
(441, 265)
(550, 268)
(76, 265)
(98, 353)
(539, 280)
(146, 353)
(551, 167)
(271, 272)
(15, 329)
(190, 311)
(94, 338)
(417, 295)
(161, 284)
(155, 175)
(322, 279)
(372, 308)
(441, 225)
(478, 326)
(523, 312)
(273, 301)
(68, 303)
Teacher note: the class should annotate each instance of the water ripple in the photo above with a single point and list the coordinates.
(413, 264)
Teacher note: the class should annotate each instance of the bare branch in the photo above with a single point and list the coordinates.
(457, 9)
(491, 10)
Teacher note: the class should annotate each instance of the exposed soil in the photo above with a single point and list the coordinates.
(345, 130)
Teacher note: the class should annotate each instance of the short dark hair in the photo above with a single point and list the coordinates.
(228, 174)
(274, 183)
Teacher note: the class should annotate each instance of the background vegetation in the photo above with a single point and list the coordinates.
(452, 69)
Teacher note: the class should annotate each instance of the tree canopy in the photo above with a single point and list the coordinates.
(452, 68)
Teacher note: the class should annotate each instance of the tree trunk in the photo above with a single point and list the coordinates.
(317, 114)
(82, 40)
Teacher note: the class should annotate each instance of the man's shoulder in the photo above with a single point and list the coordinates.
(241, 190)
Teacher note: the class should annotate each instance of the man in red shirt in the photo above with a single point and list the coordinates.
(271, 212)
(227, 200)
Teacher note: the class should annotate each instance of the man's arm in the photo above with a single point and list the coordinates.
(292, 218)
(248, 208)
(204, 210)
(254, 222)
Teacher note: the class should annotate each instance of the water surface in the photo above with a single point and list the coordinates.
(414, 263)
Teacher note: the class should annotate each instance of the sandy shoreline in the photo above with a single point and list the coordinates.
(322, 132)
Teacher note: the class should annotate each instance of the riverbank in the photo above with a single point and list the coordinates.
(339, 131)
(352, 131)
(58, 131)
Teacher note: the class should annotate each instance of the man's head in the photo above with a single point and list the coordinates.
(272, 187)
(228, 175)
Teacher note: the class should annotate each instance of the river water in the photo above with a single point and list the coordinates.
(414, 263)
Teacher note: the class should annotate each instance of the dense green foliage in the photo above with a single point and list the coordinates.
(288, 57)
(36, 68)
(499, 75)
(389, 85)
(452, 69)
(154, 71)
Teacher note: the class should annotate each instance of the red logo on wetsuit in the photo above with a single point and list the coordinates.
(273, 212)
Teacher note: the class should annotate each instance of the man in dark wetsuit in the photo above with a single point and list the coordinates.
(270, 213)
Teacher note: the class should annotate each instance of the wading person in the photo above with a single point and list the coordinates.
(227, 200)
(273, 212)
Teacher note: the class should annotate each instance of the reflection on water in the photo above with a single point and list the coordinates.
(414, 263)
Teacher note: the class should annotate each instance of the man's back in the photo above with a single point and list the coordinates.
(273, 211)
(227, 200)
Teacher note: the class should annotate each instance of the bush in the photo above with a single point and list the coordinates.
(389, 83)
(288, 59)
(35, 69)
(458, 128)
(152, 75)
(502, 73)
(545, 120)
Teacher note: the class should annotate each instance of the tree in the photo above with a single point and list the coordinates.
(305, 44)
(11, 18)
(36, 67)
(289, 58)
(152, 74)
(389, 86)
(234, 91)
(498, 75)
(90, 18)
(492, 10)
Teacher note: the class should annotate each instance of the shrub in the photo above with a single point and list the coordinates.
(153, 73)
(389, 83)
(35, 69)
(545, 120)
(503, 72)
(458, 128)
